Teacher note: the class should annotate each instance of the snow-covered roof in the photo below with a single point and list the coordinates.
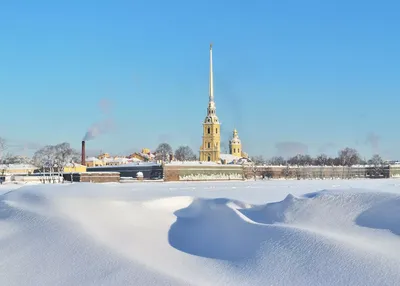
(127, 165)
(191, 163)
(92, 159)
(71, 165)
(117, 160)
(17, 166)
(228, 157)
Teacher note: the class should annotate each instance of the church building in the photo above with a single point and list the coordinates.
(210, 150)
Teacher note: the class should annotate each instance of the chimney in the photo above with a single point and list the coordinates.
(83, 160)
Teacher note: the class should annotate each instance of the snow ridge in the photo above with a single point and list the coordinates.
(200, 234)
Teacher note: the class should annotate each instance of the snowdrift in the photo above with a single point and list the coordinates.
(112, 235)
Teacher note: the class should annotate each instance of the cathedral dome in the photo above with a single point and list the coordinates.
(235, 141)
(211, 119)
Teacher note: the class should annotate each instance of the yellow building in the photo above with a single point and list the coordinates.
(235, 145)
(94, 162)
(16, 169)
(103, 156)
(210, 148)
(74, 168)
(146, 151)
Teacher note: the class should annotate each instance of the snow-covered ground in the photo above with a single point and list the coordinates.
(220, 233)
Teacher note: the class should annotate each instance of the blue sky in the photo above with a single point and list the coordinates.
(291, 76)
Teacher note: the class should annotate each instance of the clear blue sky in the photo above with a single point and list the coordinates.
(289, 75)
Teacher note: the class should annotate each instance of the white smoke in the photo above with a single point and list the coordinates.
(101, 127)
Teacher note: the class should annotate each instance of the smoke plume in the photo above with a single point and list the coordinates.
(103, 126)
(290, 148)
(373, 140)
(98, 128)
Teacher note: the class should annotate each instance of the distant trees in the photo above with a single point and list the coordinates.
(16, 159)
(184, 153)
(349, 157)
(277, 161)
(3, 147)
(163, 151)
(258, 160)
(346, 157)
(54, 158)
(377, 166)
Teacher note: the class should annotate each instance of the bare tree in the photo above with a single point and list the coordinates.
(258, 160)
(321, 160)
(3, 147)
(45, 160)
(377, 166)
(163, 151)
(64, 155)
(16, 159)
(277, 161)
(348, 157)
(287, 172)
(255, 169)
(184, 153)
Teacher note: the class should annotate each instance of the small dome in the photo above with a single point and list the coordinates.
(235, 141)
(211, 119)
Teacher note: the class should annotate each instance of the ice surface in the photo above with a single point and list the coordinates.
(220, 233)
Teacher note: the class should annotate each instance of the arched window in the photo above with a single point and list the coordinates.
(234, 150)
(209, 144)
(208, 130)
(238, 150)
(216, 130)
(209, 158)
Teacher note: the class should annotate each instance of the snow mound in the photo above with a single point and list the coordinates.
(325, 233)
(88, 234)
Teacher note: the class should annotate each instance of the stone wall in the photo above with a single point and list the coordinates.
(318, 172)
(394, 171)
(202, 172)
(94, 177)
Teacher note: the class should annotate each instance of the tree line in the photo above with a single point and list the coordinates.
(164, 152)
(346, 157)
(56, 157)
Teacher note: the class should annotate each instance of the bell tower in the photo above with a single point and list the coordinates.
(235, 145)
(210, 148)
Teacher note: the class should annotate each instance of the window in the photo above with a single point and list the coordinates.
(216, 130)
(209, 158)
(238, 150)
(234, 150)
(209, 144)
(208, 130)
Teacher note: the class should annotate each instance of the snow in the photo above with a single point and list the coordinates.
(192, 163)
(213, 176)
(126, 165)
(228, 157)
(17, 167)
(325, 232)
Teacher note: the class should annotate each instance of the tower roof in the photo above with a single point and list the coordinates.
(211, 109)
(235, 139)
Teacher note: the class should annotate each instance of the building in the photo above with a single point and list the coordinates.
(94, 162)
(74, 168)
(210, 150)
(17, 169)
(150, 171)
(235, 145)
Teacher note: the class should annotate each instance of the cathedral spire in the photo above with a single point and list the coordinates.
(211, 83)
